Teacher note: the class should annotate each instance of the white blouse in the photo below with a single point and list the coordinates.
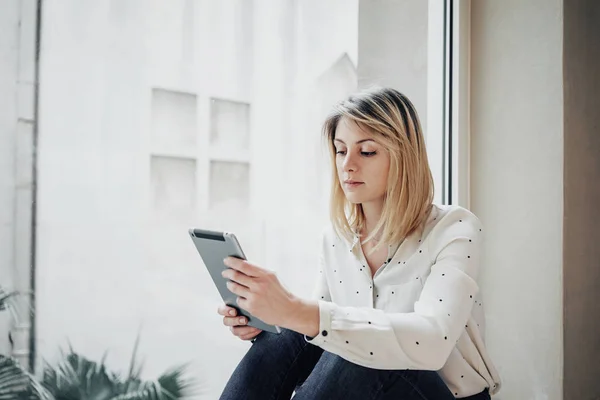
(422, 308)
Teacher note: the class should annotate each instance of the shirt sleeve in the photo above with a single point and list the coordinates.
(422, 339)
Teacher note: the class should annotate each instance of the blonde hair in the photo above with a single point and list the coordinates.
(390, 117)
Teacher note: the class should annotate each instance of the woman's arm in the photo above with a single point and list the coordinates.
(304, 317)
(304, 313)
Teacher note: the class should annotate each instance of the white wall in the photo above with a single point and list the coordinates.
(517, 188)
(112, 262)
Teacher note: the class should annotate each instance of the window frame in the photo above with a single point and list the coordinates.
(448, 138)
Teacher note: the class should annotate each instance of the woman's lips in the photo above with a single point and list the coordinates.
(352, 185)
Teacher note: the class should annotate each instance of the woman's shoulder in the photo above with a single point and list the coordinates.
(451, 220)
(329, 236)
(448, 213)
(455, 232)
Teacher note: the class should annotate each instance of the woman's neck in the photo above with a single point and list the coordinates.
(372, 213)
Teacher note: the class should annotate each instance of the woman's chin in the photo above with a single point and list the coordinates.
(354, 199)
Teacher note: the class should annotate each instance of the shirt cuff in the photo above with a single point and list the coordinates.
(325, 313)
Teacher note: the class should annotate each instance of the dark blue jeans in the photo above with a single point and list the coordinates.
(278, 364)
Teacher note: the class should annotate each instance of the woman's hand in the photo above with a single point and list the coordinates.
(259, 291)
(237, 324)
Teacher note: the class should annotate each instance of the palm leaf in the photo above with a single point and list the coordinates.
(4, 299)
(146, 391)
(170, 386)
(78, 378)
(135, 368)
(17, 383)
(13, 380)
(176, 384)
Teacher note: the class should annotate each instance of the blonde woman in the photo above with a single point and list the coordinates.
(396, 312)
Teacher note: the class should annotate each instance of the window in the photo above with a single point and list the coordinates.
(448, 93)
(229, 159)
(173, 142)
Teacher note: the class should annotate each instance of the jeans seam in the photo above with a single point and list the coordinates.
(288, 371)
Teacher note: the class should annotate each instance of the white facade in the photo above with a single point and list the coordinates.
(154, 119)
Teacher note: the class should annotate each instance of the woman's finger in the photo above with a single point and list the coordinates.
(237, 276)
(241, 330)
(251, 335)
(238, 289)
(244, 266)
(234, 321)
(224, 309)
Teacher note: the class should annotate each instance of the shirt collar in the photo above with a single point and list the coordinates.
(356, 243)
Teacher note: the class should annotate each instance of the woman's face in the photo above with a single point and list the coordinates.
(362, 163)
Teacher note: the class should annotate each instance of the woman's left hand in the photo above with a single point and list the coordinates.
(259, 291)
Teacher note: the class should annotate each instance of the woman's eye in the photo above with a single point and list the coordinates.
(364, 153)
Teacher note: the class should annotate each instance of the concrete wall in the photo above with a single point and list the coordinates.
(517, 188)
(581, 252)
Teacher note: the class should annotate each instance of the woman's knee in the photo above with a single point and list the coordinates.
(272, 366)
(285, 338)
(336, 378)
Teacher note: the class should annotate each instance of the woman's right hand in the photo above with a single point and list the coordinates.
(237, 325)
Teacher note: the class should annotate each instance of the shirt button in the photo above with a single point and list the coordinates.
(324, 333)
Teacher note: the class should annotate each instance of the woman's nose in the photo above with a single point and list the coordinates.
(349, 163)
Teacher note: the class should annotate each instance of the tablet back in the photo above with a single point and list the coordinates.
(213, 248)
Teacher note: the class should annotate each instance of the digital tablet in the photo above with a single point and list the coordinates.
(214, 247)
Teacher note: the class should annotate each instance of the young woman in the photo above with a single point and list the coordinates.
(396, 312)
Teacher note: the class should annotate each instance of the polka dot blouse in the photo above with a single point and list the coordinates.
(421, 310)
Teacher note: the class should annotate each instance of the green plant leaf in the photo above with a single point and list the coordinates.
(17, 383)
(145, 391)
(176, 384)
(77, 378)
(4, 297)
